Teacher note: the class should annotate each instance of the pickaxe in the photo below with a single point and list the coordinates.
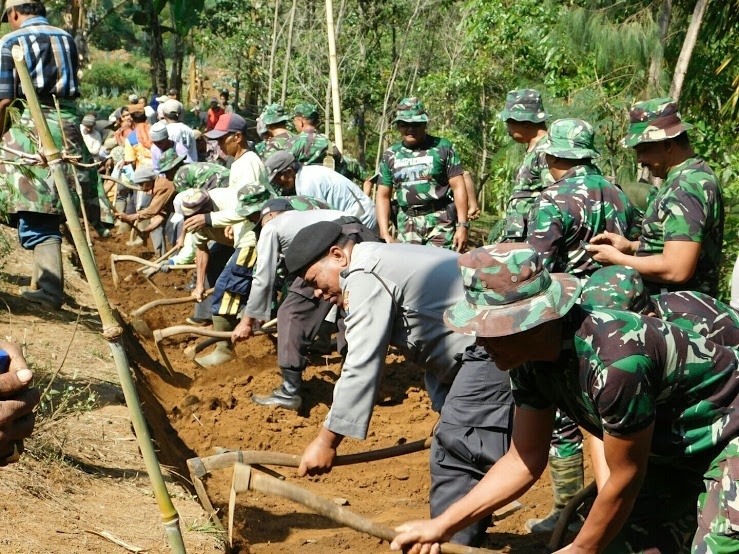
(140, 324)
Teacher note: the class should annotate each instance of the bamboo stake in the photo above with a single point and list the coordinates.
(334, 72)
(272, 53)
(112, 332)
(288, 53)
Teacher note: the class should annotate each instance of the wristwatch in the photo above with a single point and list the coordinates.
(465, 224)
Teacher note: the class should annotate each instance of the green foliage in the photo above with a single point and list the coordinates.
(114, 75)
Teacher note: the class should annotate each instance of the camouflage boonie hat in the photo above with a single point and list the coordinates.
(653, 121)
(570, 139)
(251, 199)
(411, 110)
(169, 160)
(261, 127)
(117, 153)
(309, 111)
(506, 292)
(524, 105)
(616, 287)
(274, 113)
(194, 201)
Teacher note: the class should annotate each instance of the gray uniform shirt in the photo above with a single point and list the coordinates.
(337, 191)
(274, 239)
(394, 294)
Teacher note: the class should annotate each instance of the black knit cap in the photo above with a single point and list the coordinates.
(311, 243)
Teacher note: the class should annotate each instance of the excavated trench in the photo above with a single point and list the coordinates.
(195, 411)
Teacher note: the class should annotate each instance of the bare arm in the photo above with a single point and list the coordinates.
(459, 188)
(473, 209)
(202, 255)
(507, 480)
(676, 263)
(382, 204)
(627, 461)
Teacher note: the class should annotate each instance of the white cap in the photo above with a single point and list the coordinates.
(158, 131)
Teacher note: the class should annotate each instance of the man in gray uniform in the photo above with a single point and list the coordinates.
(301, 314)
(386, 304)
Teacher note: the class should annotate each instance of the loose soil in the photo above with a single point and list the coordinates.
(194, 412)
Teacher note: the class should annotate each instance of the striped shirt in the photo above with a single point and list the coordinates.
(51, 56)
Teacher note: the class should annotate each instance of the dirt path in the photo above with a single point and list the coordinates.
(84, 473)
(211, 408)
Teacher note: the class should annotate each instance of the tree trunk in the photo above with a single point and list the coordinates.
(178, 58)
(156, 48)
(288, 52)
(655, 68)
(273, 51)
(681, 68)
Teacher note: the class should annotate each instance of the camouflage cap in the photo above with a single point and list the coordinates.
(411, 110)
(308, 111)
(273, 114)
(251, 198)
(169, 160)
(261, 127)
(570, 139)
(653, 121)
(524, 105)
(506, 291)
(616, 287)
(194, 201)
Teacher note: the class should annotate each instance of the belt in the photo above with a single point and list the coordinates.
(435, 206)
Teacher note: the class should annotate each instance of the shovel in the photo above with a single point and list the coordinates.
(126, 258)
(138, 323)
(246, 478)
(161, 334)
(195, 349)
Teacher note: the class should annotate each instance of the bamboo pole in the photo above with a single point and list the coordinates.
(272, 52)
(112, 331)
(288, 53)
(334, 73)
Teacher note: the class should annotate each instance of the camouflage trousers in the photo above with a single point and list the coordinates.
(435, 228)
(664, 516)
(566, 438)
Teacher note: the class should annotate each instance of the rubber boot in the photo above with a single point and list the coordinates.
(224, 351)
(47, 266)
(287, 395)
(567, 480)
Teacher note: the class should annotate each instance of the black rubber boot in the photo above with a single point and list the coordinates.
(287, 395)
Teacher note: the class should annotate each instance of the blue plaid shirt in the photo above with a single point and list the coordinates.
(51, 56)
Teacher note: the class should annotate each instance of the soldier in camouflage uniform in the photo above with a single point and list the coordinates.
(663, 399)
(425, 175)
(619, 287)
(275, 120)
(311, 147)
(28, 195)
(580, 204)
(526, 122)
(682, 231)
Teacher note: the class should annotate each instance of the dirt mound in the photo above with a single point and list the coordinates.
(207, 409)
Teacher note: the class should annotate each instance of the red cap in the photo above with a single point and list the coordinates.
(227, 123)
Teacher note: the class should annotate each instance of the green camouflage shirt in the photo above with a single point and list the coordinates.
(201, 175)
(311, 147)
(575, 209)
(532, 178)
(420, 176)
(624, 372)
(700, 313)
(275, 144)
(688, 207)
